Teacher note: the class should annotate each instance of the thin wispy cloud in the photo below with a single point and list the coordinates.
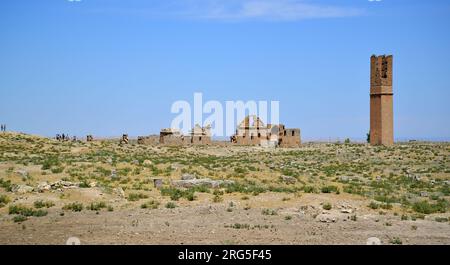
(278, 10)
(241, 10)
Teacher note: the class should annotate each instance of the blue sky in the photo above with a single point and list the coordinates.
(107, 67)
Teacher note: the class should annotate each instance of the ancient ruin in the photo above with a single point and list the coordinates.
(148, 140)
(124, 139)
(197, 136)
(381, 101)
(253, 131)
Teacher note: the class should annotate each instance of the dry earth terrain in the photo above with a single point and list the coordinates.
(322, 193)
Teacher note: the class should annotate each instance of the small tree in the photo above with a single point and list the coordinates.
(368, 137)
(347, 141)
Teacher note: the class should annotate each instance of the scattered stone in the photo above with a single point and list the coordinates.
(326, 218)
(93, 184)
(23, 173)
(346, 208)
(188, 177)
(114, 175)
(373, 241)
(175, 166)
(158, 183)
(43, 186)
(22, 189)
(206, 210)
(61, 184)
(288, 179)
(345, 178)
(119, 191)
(189, 183)
(424, 194)
(147, 163)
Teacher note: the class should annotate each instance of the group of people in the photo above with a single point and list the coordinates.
(3, 127)
(65, 137)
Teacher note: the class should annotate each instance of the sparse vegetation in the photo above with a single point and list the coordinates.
(150, 205)
(404, 182)
(96, 206)
(269, 212)
(396, 241)
(43, 204)
(327, 206)
(26, 211)
(171, 205)
(136, 196)
(4, 200)
(74, 207)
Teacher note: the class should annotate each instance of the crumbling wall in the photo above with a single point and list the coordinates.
(148, 140)
(290, 138)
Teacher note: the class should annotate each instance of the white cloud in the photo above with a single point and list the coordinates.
(239, 10)
(279, 10)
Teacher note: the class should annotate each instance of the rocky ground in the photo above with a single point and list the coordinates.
(106, 193)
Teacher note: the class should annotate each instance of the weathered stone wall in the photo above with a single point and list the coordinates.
(290, 138)
(148, 140)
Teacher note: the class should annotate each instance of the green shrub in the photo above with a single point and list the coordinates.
(43, 204)
(309, 189)
(74, 207)
(175, 194)
(150, 205)
(327, 206)
(25, 211)
(57, 170)
(269, 212)
(4, 200)
(171, 205)
(19, 218)
(217, 199)
(425, 207)
(329, 189)
(136, 196)
(396, 241)
(84, 184)
(6, 184)
(96, 206)
(441, 219)
(374, 205)
(250, 187)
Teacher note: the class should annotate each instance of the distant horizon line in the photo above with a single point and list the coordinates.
(303, 140)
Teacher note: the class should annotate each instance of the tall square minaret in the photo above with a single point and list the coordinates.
(381, 101)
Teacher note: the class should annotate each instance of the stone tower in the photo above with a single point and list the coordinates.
(381, 101)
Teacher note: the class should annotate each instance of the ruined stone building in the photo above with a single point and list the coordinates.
(197, 136)
(252, 131)
(148, 140)
(381, 101)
